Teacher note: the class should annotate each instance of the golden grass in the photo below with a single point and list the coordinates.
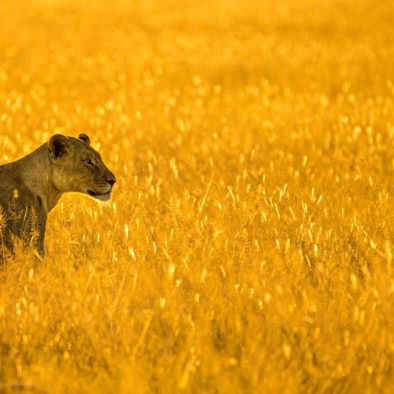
(248, 245)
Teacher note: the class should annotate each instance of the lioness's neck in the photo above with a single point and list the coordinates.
(35, 171)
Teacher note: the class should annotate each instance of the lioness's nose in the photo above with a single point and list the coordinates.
(111, 179)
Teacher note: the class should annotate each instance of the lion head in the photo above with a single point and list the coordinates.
(77, 167)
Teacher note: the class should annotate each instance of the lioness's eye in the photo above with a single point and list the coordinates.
(89, 163)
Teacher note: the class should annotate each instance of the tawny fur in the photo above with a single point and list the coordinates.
(31, 187)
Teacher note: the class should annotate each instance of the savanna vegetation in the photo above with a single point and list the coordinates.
(248, 246)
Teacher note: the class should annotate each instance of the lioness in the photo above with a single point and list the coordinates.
(31, 186)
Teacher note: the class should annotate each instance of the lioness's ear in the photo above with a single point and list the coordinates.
(59, 146)
(85, 138)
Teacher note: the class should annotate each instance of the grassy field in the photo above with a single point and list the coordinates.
(248, 246)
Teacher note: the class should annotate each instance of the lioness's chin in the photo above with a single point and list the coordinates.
(101, 197)
(104, 197)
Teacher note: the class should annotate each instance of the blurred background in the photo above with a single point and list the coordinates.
(248, 244)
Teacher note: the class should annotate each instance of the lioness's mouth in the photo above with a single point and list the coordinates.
(100, 196)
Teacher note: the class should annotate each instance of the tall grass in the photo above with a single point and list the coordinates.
(248, 244)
